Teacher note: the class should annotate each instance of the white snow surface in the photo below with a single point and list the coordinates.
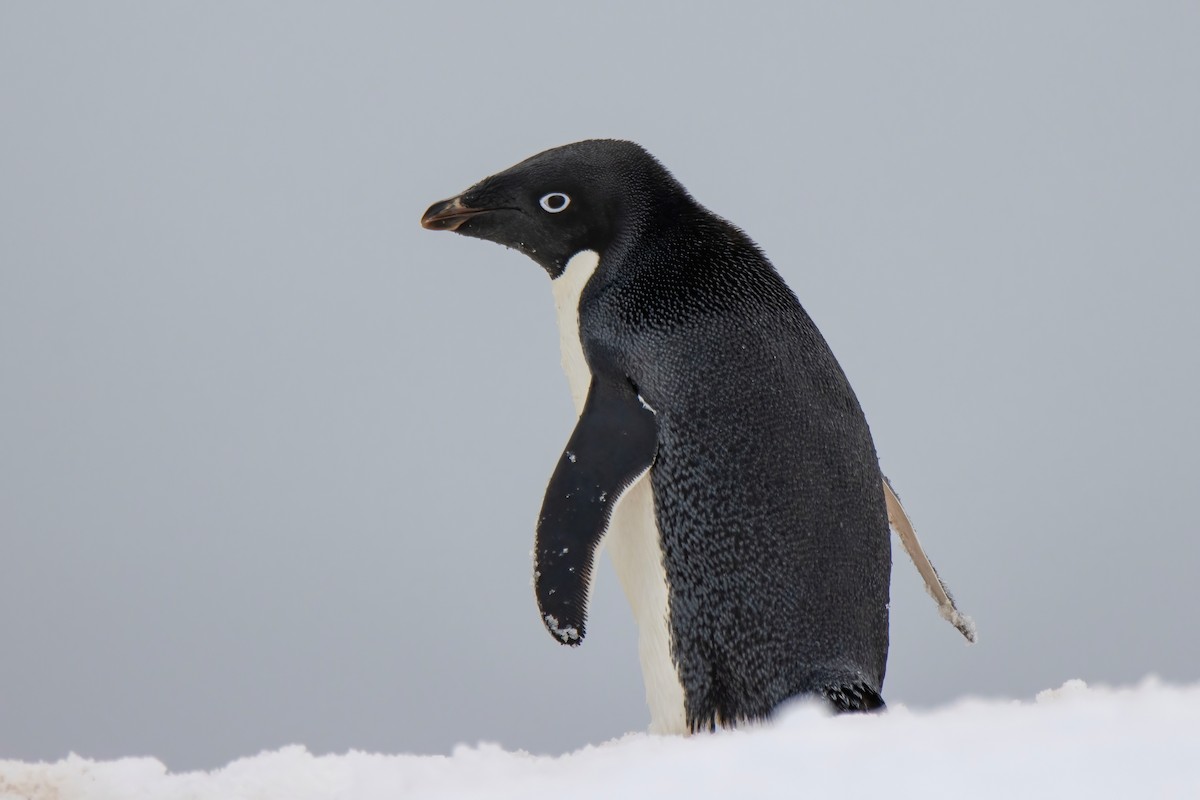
(1074, 741)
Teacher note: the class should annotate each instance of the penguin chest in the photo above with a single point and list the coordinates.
(568, 287)
(632, 537)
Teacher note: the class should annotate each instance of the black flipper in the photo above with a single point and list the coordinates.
(613, 444)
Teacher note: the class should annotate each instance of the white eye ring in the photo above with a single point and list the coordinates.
(555, 202)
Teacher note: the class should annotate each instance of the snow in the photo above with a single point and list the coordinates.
(1074, 741)
(567, 634)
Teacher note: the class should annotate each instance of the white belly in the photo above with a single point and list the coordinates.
(632, 537)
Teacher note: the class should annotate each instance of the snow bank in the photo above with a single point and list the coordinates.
(1071, 742)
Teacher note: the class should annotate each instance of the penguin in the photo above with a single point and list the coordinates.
(720, 454)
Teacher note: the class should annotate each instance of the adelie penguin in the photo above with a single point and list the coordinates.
(720, 453)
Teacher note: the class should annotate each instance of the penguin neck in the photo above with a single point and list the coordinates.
(568, 288)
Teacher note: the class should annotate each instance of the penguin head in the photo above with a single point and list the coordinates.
(582, 196)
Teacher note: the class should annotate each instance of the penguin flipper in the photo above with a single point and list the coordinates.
(933, 582)
(614, 443)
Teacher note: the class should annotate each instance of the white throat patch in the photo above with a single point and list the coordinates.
(568, 287)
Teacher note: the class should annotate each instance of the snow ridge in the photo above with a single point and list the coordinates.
(1073, 741)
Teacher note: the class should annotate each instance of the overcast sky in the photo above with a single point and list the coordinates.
(271, 454)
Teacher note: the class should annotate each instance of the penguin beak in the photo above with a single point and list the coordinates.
(449, 215)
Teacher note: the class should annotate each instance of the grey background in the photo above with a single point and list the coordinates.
(270, 454)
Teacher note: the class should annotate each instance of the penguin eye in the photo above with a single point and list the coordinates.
(555, 202)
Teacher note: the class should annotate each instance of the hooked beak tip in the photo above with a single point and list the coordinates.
(448, 215)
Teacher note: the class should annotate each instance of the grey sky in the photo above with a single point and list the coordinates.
(271, 455)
